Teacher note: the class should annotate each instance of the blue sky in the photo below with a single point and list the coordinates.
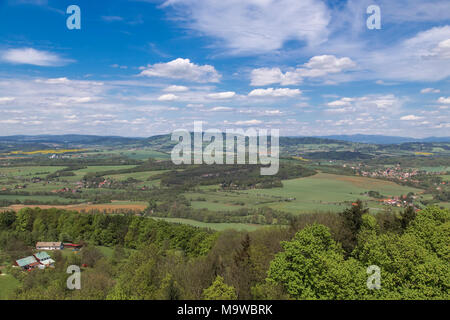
(306, 67)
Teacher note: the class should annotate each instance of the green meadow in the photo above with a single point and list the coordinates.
(28, 172)
(321, 192)
(79, 174)
(214, 226)
(7, 285)
(35, 198)
(135, 154)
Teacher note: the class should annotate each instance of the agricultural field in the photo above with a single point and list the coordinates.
(34, 198)
(135, 154)
(115, 206)
(79, 174)
(27, 172)
(436, 169)
(132, 178)
(214, 226)
(321, 192)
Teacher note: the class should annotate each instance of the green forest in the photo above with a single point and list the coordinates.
(317, 256)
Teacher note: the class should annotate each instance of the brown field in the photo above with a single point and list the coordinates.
(86, 207)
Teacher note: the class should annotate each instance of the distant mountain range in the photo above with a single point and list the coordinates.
(378, 139)
(71, 139)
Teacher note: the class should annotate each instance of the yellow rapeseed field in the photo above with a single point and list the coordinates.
(50, 151)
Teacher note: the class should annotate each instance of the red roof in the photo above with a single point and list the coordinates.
(72, 245)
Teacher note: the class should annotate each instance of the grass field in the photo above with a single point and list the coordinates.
(435, 169)
(7, 285)
(79, 174)
(321, 192)
(28, 172)
(136, 154)
(214, 226)
(34, 198)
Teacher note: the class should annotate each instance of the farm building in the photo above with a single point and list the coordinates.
(28, 263)
(74, 246)
(49, 246)
(44, 259)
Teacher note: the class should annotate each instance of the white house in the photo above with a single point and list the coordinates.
(49, 246)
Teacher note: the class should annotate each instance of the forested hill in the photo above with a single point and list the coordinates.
(379, 139)
(311, 147)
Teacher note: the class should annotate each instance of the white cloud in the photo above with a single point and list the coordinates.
(175, 88)
(430, 90)
(6, 99)
(271, 92)
(248, 122)
(215, 109)
(410, 117)
(419, 58)
(265, 76)
(33, 57)
(320, 66)
(370, 104)
(182, 69)
(222, 95)
(168, 97)
(317, 66)
(442, 50)
(255, 26)
(444, 100)
(115, 65)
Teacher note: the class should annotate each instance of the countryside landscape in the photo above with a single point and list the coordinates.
(224, 159)
(49, 185)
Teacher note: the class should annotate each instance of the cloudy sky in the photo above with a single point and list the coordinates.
(146, 67)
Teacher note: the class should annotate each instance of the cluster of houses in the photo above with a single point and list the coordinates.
(393, 173)
(42, 259)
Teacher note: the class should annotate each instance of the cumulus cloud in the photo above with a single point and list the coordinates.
(216, 109)
(410, 117)
(6, 99)
(442, 50)
(277, 93)
(370, 104)
(248, 122)
(33, 57)
(168, 97)
(444, 100)
(430, 90)
(317, 66)
(175, 88)
(222, 95)
(255, 26)
(182, 69)
(266, 76)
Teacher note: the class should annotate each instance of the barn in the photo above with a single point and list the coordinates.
(44, 259)
(49, 246)
(28, 263)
